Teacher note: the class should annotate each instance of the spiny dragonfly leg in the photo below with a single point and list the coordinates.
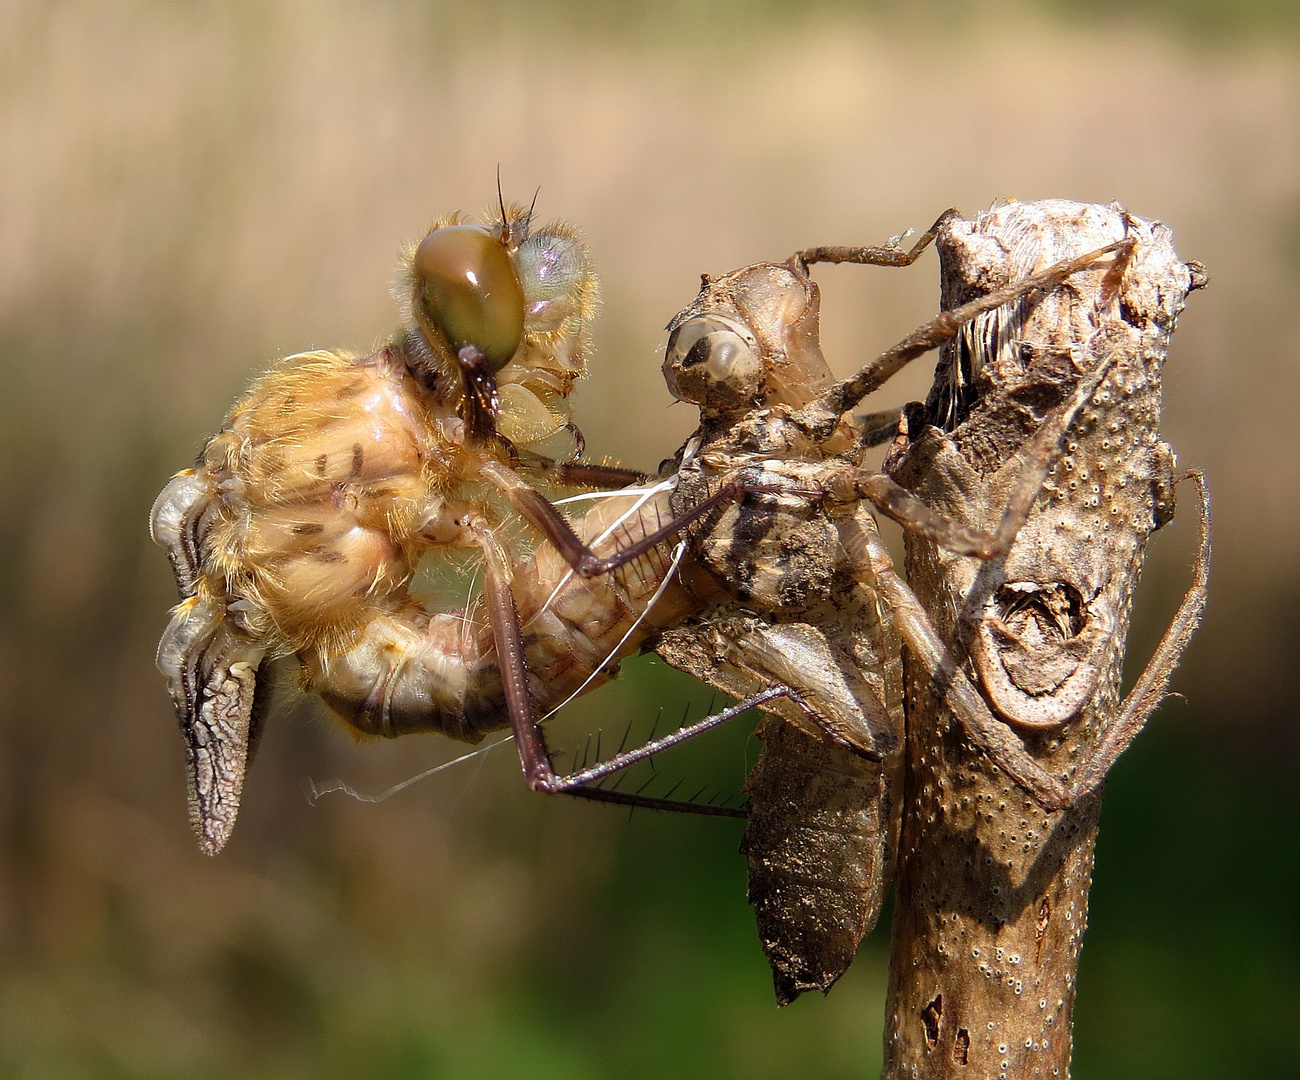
(821, 417)
(542, 515)
(534, 758)
(884, 255)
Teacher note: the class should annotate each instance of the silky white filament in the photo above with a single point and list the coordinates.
(333, 786)
(678, 552)
(646, 494)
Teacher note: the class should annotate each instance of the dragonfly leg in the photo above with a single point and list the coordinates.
(539, 512)
(882, 255)
(870, 558)
(1036, 459)
(534, 758)
(821, 417)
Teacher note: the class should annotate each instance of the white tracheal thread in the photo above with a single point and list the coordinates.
(334, 786)
(646, 494)
(339, 785)
(470, 597)
(678, 552)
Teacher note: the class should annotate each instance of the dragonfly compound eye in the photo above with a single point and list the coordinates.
(555, 272)
(714, 362)
(466, 286)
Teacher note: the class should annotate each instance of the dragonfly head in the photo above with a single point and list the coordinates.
(750, 339)
(518, 304)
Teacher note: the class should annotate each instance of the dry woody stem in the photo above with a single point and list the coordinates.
(992, 887)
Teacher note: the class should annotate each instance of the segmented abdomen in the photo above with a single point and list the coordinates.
(820, 848)
(411, 670)
(822, 834)
(576, 627)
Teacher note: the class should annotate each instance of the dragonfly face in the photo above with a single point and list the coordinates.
(500, 319)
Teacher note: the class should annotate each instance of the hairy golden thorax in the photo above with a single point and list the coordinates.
(335, 474)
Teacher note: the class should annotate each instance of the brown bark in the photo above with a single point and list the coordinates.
(993, 890)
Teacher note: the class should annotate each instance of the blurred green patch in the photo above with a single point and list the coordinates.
(1200, 18)
(685, 19)
(722, 28)
(1191, 952)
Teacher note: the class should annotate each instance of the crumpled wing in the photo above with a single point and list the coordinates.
(212, 673)
(741, 656)
(212, 668)
(174, 524)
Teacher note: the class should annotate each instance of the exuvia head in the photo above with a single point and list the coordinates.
(749, 339)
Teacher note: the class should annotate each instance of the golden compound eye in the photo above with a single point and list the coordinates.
(468, 289)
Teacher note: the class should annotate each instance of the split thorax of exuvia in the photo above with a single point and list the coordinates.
(747, 352)
(497, 321)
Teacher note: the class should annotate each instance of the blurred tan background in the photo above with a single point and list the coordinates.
(188, 191)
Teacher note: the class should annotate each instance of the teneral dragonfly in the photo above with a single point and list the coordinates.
(295, 537)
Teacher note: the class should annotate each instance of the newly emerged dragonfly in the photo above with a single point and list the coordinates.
(296, 536)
